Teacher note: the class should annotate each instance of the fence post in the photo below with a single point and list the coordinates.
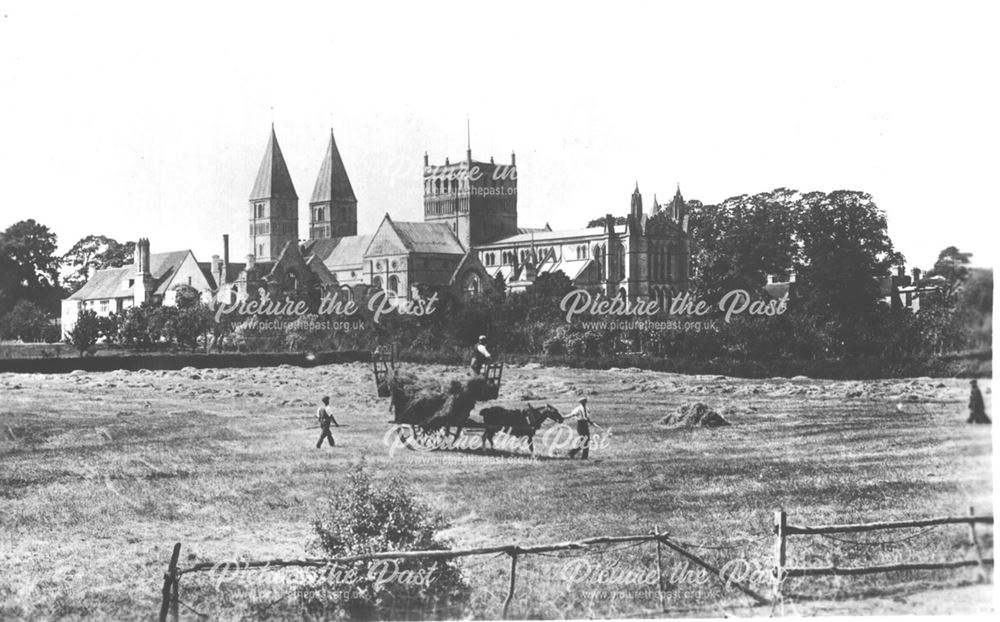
(780, 524)
(513, 575)
(975, 542)
(175, 597)
(169, 590)
(659, 568)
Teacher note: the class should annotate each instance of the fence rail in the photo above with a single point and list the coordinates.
(782, 531)
(171, 579)
(860, 527)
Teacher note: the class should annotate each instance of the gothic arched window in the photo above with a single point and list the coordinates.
(393, 284)
(377, 283)
(599, 260)
(472, 284)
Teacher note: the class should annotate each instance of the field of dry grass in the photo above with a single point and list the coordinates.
(101, 473)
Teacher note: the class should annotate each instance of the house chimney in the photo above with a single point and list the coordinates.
(427, 160)
(142, 256)
(217, 270)
(225, 255)
(513, 160)
(916, 275)
(901, 271)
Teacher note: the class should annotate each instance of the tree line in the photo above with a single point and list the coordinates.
(834, 245)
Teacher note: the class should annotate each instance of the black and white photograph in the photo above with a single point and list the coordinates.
(497, 311)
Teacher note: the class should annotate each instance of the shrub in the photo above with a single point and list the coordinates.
(189, 323)
(366, 516)
(134, 327)
(84, 335)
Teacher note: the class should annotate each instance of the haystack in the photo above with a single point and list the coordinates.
(696, 415)
(431, 402)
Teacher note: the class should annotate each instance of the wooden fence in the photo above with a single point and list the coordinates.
(783, 530)
(172, 578)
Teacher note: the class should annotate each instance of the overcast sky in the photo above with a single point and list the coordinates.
(128, 120)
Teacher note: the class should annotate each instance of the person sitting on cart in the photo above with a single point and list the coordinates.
(325, 419)
(480, 355)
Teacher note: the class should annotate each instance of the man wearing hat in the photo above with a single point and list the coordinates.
(480, 355)
(977, 409)
(582, 428)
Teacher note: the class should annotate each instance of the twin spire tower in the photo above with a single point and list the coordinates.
(274, 204)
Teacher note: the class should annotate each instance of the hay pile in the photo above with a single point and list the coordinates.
(434, 402)
(696, 415)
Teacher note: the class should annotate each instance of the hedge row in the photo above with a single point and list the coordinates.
(135, 362)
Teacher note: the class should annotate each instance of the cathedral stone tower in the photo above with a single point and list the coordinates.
(333, 208)
(478, 200)
(274, 206)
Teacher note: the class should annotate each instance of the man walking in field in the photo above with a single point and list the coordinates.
(480, 355)
(325, 419)
(977, 409)
(582, 429)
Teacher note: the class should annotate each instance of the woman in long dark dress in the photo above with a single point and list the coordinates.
(977, 409)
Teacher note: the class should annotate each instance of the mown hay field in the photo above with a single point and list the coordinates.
(100, 473)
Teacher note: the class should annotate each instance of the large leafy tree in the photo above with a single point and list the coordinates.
(845, 249)
(94, 252)
(26, 321)
(29, 267)
(739, 242)
(952, 265)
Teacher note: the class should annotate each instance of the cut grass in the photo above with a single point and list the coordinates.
(101, 473)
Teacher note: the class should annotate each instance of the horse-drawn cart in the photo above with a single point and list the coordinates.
(427, 408)
(384, 365)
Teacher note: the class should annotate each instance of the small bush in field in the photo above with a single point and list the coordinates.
(368, 516)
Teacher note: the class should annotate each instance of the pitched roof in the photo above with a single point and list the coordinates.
(321, 271)
(534, 229)
(428, 237)
(113, 282)
(547, 236)
(273, 180)
(332, 184)
(206, 271)
(320, 248)
(470, 257)
(107, 283)
(163, 267)
(393, 238)
(338, 252)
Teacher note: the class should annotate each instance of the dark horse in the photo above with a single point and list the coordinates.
(522, 423)
(432, 411)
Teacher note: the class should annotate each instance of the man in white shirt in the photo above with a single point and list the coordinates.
(325, 419)
(582, 428)
(480, 355)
